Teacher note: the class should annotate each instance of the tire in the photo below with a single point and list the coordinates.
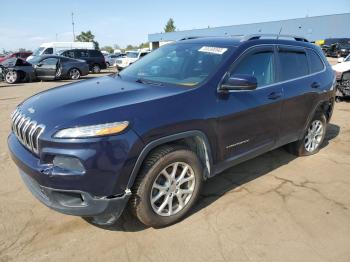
(11, 76)
(74, 74)
(96, 69)
(312, 140)
(152, 182)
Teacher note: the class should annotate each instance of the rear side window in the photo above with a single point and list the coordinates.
(81, 53)
(316, 64)
(293, 64)
(259, 65)
(95, 53)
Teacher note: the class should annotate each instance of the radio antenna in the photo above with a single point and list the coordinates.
(279, 33)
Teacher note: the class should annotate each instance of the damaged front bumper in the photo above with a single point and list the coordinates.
(77, 203)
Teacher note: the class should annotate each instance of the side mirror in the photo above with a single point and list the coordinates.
(341, 59)
(239, 82)
(39, 64)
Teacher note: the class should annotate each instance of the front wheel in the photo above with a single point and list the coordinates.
(313, 138)
(11, 77)
(167, 186)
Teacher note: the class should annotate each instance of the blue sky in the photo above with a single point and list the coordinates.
(129, 22)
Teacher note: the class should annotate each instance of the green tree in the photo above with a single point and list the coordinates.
(170, 26)
(144, 45)
(87, 37)
(109, 49)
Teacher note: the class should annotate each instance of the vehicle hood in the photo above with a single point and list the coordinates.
(342, 67)
(95, 101)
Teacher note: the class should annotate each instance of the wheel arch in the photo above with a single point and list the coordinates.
(323, 106)
(196, 140)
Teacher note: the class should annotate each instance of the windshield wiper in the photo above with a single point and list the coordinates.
(148, 82)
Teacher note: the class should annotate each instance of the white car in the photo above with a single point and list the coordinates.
(342, 71)
(129, 58)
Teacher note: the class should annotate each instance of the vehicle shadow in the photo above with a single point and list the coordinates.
(234, 177)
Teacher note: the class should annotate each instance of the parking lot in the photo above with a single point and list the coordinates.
(275, 207)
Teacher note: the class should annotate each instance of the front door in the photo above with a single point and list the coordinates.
(251, 123)
(46, 69)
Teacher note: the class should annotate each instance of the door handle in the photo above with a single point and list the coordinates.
(274, 95)
(315, 85)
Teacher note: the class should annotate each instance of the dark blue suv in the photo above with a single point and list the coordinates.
(149, 136)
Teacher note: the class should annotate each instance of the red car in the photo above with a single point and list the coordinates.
(22, 55)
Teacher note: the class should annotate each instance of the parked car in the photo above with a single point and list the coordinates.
(149, 136)
(44, 68)
(342, 71)
(93, 58)
(22, 55)
(338, 50)
(328, 45)
(54, 48)
(110, 59)
(129, 58)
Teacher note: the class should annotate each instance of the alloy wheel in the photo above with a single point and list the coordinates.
(314, 136)
(74, 74)
(172, 189)
(11, 77)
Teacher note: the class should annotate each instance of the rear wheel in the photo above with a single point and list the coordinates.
(11, 76)
(313, 138)
(96, 69)
(74, 74)
(167, 187)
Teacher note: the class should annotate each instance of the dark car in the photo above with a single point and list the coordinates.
(22, 55)
(149, 136)
(338, 50)
(329, 45)
(44, 68)
(94, 58)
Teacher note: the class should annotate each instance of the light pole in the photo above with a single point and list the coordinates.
(73, 27)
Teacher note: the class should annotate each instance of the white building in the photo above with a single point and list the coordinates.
(313, 28)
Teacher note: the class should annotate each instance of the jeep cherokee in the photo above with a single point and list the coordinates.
(148, 137)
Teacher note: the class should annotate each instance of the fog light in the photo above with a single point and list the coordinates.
(67, 163)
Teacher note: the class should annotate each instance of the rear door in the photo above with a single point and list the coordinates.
(46, 69)
(251, 121)
(300, 88)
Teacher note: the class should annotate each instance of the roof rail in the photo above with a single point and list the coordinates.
(273, 36)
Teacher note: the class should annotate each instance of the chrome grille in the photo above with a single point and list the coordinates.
(26, 130)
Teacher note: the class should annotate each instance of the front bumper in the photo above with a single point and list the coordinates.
(77, 203)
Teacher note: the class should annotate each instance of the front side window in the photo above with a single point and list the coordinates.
(48, 51)
(180, 64)
(259, 65)
(316, 64)
(293, 64)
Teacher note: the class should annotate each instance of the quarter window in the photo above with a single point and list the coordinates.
(293, 64)
(259, 65)
(316, 64)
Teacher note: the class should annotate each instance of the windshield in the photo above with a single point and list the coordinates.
(38, 51)
(180, 64)
(345, 46)
(132, 54)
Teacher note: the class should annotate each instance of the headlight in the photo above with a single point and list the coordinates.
(92, 131)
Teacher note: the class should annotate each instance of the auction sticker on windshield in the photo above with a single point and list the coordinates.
(213, 50)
